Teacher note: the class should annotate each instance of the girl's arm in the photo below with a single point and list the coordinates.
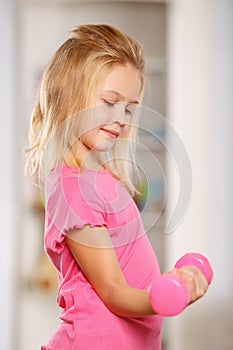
(95, 255)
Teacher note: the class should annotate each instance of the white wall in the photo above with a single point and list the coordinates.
(222, 102)
(8, 178)
(200, 105)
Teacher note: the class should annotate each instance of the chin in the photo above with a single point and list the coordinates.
(104, 147)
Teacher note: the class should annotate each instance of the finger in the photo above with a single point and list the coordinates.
(199, 281)
(195, 281)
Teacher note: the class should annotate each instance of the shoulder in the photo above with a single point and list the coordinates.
(69, 183)
(71, 200)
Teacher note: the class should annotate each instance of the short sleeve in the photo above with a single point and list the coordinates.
(71, 201)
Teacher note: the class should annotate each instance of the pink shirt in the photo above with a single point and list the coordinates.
(74, 199)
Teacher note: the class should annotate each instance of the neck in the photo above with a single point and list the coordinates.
(87, 158)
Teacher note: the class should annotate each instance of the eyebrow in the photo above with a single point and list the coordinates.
(121, 96)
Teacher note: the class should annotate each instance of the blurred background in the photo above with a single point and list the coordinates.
(189, 55)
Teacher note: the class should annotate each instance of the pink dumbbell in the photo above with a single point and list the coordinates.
(169, 294)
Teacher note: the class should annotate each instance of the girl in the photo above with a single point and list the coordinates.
(83, 137)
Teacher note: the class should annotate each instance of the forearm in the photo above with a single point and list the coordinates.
(125, 301)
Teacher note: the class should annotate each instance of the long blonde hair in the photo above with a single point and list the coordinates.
(67, 86)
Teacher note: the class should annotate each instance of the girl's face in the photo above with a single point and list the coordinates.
(114, 104)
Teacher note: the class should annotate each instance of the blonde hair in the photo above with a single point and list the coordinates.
(67, 86)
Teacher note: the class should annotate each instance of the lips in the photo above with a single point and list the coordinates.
(110, 133)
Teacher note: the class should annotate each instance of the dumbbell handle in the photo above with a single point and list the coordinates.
(169, 294)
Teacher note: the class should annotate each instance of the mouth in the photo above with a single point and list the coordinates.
(110, 133)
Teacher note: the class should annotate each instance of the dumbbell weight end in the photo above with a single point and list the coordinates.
(168, 295)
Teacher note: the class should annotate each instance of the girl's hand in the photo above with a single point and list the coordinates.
(194, 279)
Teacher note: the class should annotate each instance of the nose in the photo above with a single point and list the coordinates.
(119, 115)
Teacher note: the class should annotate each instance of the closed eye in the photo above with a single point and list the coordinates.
(109, 103)
(128, 111)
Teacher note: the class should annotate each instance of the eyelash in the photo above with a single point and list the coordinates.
(112, 104)
(109, 104)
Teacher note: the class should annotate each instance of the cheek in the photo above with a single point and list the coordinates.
(103, 114)
(93, 118)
